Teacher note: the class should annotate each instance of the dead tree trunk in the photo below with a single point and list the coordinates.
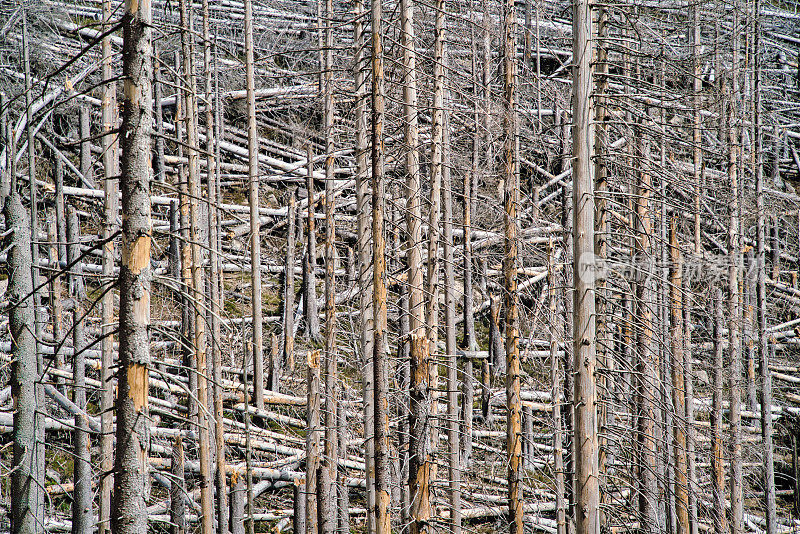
(587, 492)
(25, 484)
(556, 335)
(330, 463)
(130, 510)
(110, 168)
(734, 310)
(761, 293)
(678, 391)
(312, 441)
(177, 493)
(420, 447)
(82, 470)
(413, 210)
(691, 469)
(277, 359)
(379, 359)
(342, 489)
(648, 363)
(255, 226)
(717, 460)
(310, 263)
(364, 257)
(511, 200)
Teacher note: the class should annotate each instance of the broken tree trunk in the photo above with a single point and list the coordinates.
(312, 441)
(177, 493)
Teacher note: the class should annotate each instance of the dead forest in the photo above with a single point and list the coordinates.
(443, 266)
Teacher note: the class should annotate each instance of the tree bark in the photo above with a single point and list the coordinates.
(110, 168)
(129, 509)
(717, 460)
(177, 510)
(82, 515)
(678, 392)
(364, 257)
(25, 481)
(278, 359)
(510, 160)
(309, 277)
(255, 235)
(420, 446)
(312, 441)
(587, 493)
(379, 359)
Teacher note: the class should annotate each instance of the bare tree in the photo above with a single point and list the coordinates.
(129, 514)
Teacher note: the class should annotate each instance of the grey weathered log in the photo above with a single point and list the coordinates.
(86, 152)
(237, 500)
(310, 259)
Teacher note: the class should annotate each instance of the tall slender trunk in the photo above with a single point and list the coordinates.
(511, 199)
(420, 446)
(82, 470)
(255, 226)
(697, 139)
(761, 293)
(312, 442)
(587, 492)
(717, 460)
(648, 361)
(556, 334)
(129, 514)
(691, 469)
(177, 493)
(734, 293)
(413, 210)
(379, 357)
(678, 386)
(110, 168)
(330, 463)
(215, 272)
(364, 256)
(310, 263)
(279, 358)
(196, 289)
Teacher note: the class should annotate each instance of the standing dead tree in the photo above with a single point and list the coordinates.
(129, 510)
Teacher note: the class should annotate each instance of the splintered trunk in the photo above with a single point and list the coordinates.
(81, 447)
(420, 446)
(255, 227)
(678, 391)
(585, 442)
(511, 200)
(379, 356)
(717, 459)
(129, 511)
(25, 480)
